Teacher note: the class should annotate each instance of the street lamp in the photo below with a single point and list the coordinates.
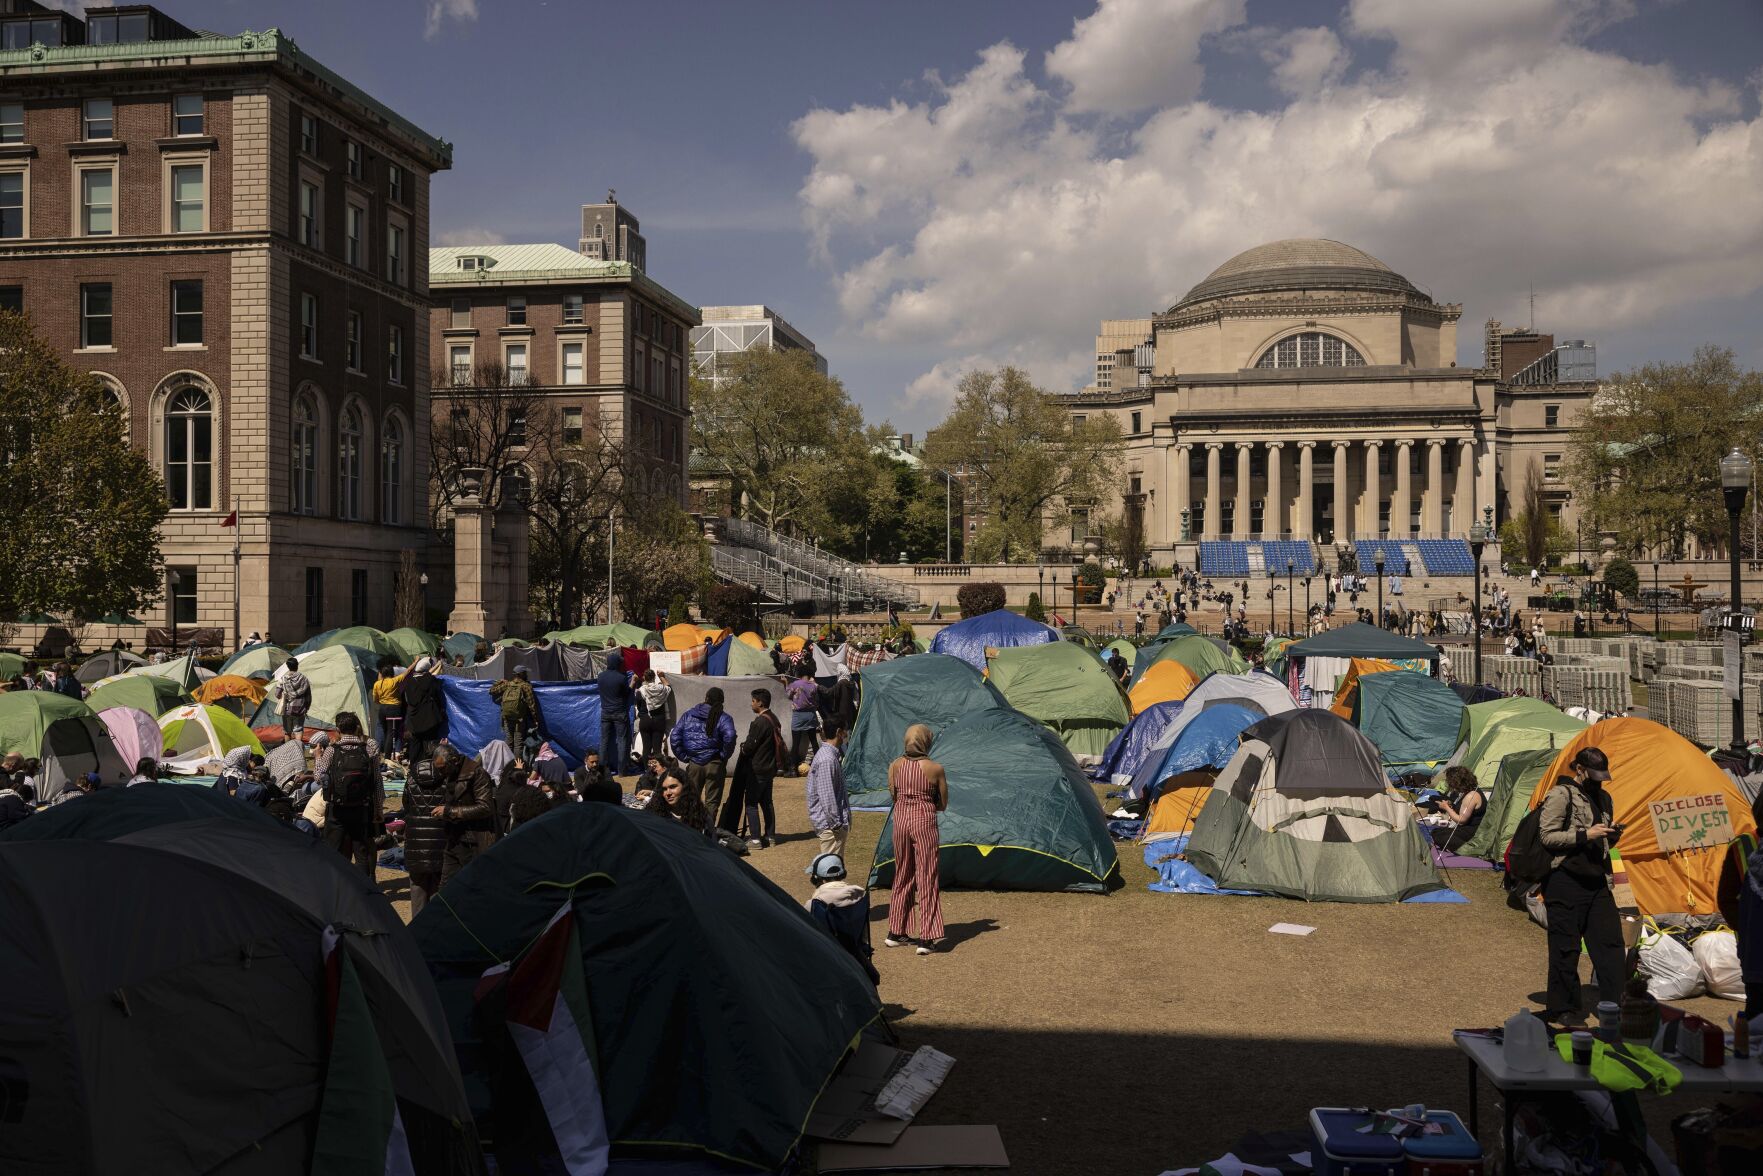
(1478, 541)
(1735, 480)
(1377, 564)
(1041, 576)
(1290, 632)
(1074, 595)
(1306, 604)
(171, 605)
(423, 580)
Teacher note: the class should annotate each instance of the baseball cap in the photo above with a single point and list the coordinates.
(1595, 763)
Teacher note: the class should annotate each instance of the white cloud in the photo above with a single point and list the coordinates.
(994, 220)
(437, 12)
(471, 235)
(1132, 55)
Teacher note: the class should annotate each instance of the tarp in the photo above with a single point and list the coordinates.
(969, 639)
(1168, 681)
(140, 691)
(256, 661)
(1358, 639)
(1128, 749)
(73, 746)
(930, 688)
(569, 716)
(1021, 816)
(363, 637)
(1516, 777)
(26, 714)
(542, 663)
(696, 968)
(1065, 687)
(716, 660)
(596, 636)
(196, 736)
(1678, 812)
(1258, 692)
(1414, 720)
(1208, 741)
(135, 733)
(409, 644)
(99, 666)
(1510, 725)
(737, 703)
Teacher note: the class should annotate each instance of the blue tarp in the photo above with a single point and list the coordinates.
(569, 716)
(1209, 741)
(717, 667)
(969, 639)
(1127, 750)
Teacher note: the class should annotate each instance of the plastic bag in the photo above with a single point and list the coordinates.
(1717, 954)
(1671, 971)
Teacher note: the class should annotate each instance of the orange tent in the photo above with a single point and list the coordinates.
(224, 686)
(1178, 805)
(1343, 695)
(1167, 681)
(685, 636)
(752, 638)
(1678, 812)
(790, 643)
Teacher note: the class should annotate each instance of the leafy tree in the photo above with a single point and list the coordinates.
(661, 560)
(1023, 457)
(980, 597)
(732, 606)
(1036, 611)
(1620, 576)
(83, 508)
(880, 505)
(678, 612)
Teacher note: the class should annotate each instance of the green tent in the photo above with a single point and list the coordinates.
(363, 637)
(1415, 721)
(255, 661)
(694, 965)
(1125, 648)
(1515, 782)
(26, 714)
(1507, 725)
(11, 666)
(1065, 687)
(930, 688)
(1021, 815)
(342, 680)
(140, 691)
(1201, 655)
(409, 644)
(181, 670)
(745, 661)
(594, 636)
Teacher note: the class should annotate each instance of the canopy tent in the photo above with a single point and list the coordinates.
(568, 719)
(744, 659)
(1515, 781)
(239, 695)
(461, 645)
(408, 644)
(1201, 655)
(139, 691)
(208, 923)
(596, 636)
(1208, 741)
(100, 666)
(1302, 810)
(1678, 812)
(1348, 686)
(1168, 681)
(134, 733)
(197, 736)
(26, 714)
(1359, 639)
(1065, 687)
(363, 637)
(930, 688)
(1415, 721)
(968, 639)
(1509, 725)
(694, 965)
(73, 746)
(255, 661)
(1178, 805)
(1128, 749)
(1021, 816)
(342, 680)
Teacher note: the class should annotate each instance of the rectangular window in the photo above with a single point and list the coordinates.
(640, 369)
(97, 202)
(354, 224)
(1136, 419)
(395, 182)
(95, 315)
(460, 313)
(574, 371)
(517, 310)
(358, 596)
(186, 114)
(314, 598)
(1551, 415)
(309, 134)
(186, 313)
(11, 205)
(352, 341)
(11, 122)
(515, 362)
(183, 596)
(1551, 467)
(395, 255)
(188, 198)
(572, 308)
(99, 119)
(516, 426)
(12, 298)
(309, 215)
(352, 158)
(395, 355)
(572, 426)
(308, 326)
(459, 360)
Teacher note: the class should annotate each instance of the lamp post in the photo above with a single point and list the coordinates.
(1290, 589)
(1735, 480)
(1478, 541)
(1074, 595)
(1041, 577)
(424, 581)
(1377, 565)
(171, 605)
(1306, 604)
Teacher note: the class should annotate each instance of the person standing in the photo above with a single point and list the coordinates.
(761, 753)
(920, 791)
(295, 693)
(804, 697)
(1575, 826)
(425, 834)
(388, 699)
(354, 797)
(652, 697)
(466, 807)
(520, 706)
(703, 739)
(425, 710)
(615, 713)
(829, 806)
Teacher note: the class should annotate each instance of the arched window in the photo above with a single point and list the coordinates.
(598, 233)
(1311, 349)
(189, 449)
(392, 472)
(117, 399)
(349, 464)
(304, 497)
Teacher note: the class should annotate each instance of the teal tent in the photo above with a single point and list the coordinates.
(930, 688)
(1067, 688)
(1515, 782)
(699, 974)
(462, 645)
(1361, 640)
(1021, 815)
(362, 637)
(1415, 721)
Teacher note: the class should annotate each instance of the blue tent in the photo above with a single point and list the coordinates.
(1128, 749)
(717, 666)
(969, 639)
(1207, 742)
(569, 716)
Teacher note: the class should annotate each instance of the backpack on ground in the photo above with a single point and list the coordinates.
(1527, 860)
(349, 778)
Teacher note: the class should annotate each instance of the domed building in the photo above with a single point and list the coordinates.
(1306, 392)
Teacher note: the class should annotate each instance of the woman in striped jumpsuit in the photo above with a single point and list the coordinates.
(920, 791)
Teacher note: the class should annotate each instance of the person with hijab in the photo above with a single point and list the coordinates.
(703, 739)
(920, 791)
(425, 710)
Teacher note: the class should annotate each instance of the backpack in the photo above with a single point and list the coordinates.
(349, 778)
(1527, 859)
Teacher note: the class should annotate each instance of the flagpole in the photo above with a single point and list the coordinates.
(238, 525)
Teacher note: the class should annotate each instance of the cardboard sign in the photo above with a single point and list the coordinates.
(1691, 822)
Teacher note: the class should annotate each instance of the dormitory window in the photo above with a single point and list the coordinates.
(395, 181)
(1551, 415)
(515, 362)
(358, 596)
(395, 355)
(352, 341)
(459, 361)
(11, 122)
(305, 463)
(395, 254)
(189, 450)
(354, 217)
(97, 201)
(392, 472)
(187, 198)
(572, 426)
(516, 310)
(1551, 467)
(573, 370)
(95, 315)
(349, 437)
(12, 298)
(308, 326)
(460, 313)
(309, 134)
(99, 119)
(11, 205)
(352, 153)
(186, 114)
(1311, 349)
(183, 596)
(309, 215)
(1136, 420)
(186, 314)
(572, 308)
(517, 426)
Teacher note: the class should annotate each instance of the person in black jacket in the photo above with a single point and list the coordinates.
(13, 805)
(425, 835)
(761, 753)
(467, 808)
(594, 782)
(425, 710)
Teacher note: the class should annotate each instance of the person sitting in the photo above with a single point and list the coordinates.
(529, 805)
(146, 771)
(594, 782)
(1463, 804)
(679, 800)
(13, 806)
(842, 909)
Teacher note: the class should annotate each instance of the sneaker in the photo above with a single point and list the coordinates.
(890, 941)
(924, 949)
(755, 843)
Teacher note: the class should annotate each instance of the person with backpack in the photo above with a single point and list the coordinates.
(761, 753)
(295, 693)
(1573, 825)
(703, 739)
(425, 710)
(520, 706)
(354, 797)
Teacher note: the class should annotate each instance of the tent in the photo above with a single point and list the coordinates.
(1358, 639)
(240, 695)
(744, 658)
(408, 644)
(1261, 693)
(1515, 781)
(198, 735)
(753, 639)
(1150, 649)
(1678, 810)
(74, 745)
(139, 691)
(930, 688)
(214, 922)
(1208, 741)
(596, 636)
(101, 665)
(1125, 648)
(791, 643)
(181, 670)
(1415, 721)
(695, 967)
(1178, 805)
(1500, 728)
(26, 714)
(1302, 810)
(1348, 686)
(1128, 749)
(1021, 816)
(968, 639)
(682, 636)
(135, 734)
(255, 661)
(1201, 655)
(12, 665)
(1168, 681)
(362, 637)
(461, 645)
(342, 680)
(1065, 687)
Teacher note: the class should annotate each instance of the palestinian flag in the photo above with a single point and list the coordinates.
(543, 1001)
(360, 1132)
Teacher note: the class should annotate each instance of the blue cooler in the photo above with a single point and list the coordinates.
(1340, 1148)
(1455, 1153)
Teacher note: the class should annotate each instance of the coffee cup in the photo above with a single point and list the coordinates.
(1582, 1047)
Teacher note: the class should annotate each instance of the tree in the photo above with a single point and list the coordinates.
(980, 597)
(1646, 459)
(408, 607)
(1620, 576)
(732, 606)
(1036, 611)
(1534, 531)
(83, 507)
(879, 505)
(1024, 457)
(661, 558)
(1123, 535)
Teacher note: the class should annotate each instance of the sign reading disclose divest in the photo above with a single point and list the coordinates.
(1691, 822)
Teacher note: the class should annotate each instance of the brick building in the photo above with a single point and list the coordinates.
(233, 238)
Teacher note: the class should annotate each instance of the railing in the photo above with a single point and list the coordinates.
(841, 579)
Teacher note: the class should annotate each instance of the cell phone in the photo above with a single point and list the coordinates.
(1618, 827)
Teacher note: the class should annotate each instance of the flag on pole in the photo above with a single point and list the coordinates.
(359, 1128)
(232, 520)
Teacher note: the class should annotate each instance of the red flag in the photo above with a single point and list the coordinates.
(231, 520)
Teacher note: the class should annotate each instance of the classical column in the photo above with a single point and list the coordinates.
(1343, 525)
(1178, 490)
(1373, 486)
(1273, 518)
(1306, 520)
(1432, 499)
(1402, 501)
(1240, 524)
(1214, 492)
(1463, 500)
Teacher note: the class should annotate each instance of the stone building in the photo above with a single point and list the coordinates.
(1306, 392)
(231, 236)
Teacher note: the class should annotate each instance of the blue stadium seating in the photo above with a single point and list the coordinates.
(1224, 557)
(1275, 552)
(1446, 557)
(1236, 557)
(1394, 562)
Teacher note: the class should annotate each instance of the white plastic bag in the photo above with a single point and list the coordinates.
(1671, 971)
(1717, 954)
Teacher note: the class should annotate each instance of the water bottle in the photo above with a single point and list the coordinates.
(1526, 1048)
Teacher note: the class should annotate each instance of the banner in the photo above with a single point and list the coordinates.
(1691, 822)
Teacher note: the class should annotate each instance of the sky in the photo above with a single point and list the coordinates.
(929, 186)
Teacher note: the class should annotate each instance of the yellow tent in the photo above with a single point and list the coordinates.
(1678, 812)
(753, 639)
(1343, 695)
(681, 636)
(1178, 805)
(224, 686)
(790, 643)
(1167, 681)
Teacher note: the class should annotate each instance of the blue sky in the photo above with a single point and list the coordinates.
(925, 185)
